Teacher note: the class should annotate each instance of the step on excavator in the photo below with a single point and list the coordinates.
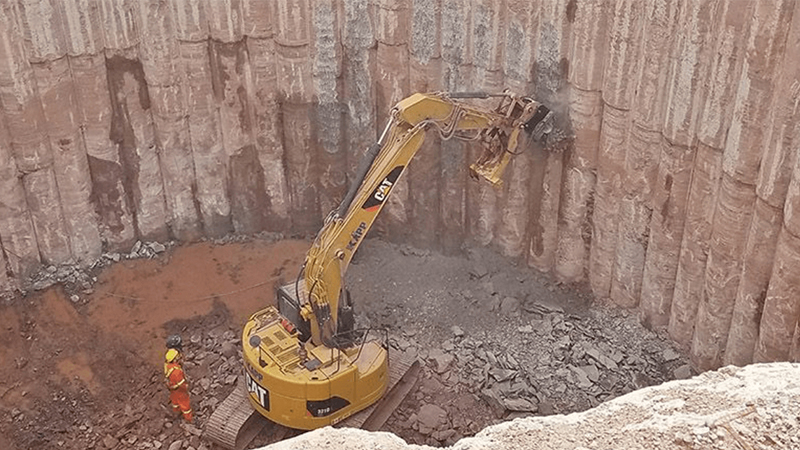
(306, 365)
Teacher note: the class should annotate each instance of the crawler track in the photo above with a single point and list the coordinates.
(234, 423)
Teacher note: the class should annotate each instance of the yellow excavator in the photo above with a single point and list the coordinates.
(306, 365)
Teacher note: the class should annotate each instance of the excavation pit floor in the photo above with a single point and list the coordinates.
(83, 365)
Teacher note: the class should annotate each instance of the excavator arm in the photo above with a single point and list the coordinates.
(500, 132)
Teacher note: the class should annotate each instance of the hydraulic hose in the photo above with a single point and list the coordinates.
(363, 167)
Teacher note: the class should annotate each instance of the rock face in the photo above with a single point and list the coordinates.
(157, 121)
(718, 410)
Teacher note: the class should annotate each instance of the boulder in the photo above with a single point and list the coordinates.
(431, 418)
(509, 306)
(520, 404)
(441, 361)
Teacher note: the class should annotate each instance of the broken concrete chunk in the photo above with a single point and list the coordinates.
(511, 361)
(608, 381)
(581, 377)
(110, 441)
(683, 372)
(502, 374)
(601, 358)
(431, 418)
(493, 399)
(591, 372)
(457, 331)
(441, 360)
(670, 355)
(401, 344)
(430, 386)
(478, 271)
(520, 404)
(443, 436)
(204, 383)
(228, 349)
(191, 429)
(509, 305)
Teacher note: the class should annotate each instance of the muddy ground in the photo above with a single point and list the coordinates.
(82, 367)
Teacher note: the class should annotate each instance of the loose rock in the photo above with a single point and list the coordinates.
(430, 418)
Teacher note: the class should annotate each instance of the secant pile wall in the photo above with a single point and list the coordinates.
(126, 121)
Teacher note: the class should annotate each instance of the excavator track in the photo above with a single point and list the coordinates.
(234, 424)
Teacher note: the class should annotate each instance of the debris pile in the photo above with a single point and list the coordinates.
(555, 364)
(78, 279)
(499, 342)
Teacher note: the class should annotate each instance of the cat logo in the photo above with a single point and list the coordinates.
(381, 191)
(259, 392)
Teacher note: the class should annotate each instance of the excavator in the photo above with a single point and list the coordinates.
(306, 364)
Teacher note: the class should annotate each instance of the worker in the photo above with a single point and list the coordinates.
(177, 384)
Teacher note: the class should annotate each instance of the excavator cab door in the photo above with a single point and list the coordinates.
(289, 307)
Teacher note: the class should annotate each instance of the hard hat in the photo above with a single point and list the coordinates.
(171, 355)
(174, 341)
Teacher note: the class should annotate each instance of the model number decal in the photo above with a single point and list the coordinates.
(381, 191)
(356, 235)
(322, 408)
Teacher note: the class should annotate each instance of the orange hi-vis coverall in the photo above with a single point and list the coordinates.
(178, 390)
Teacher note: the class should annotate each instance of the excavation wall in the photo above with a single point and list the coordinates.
(679, 194)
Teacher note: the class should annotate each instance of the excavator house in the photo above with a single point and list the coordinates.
(306, 364)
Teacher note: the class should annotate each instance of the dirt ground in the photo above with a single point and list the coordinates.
(75, 373)
(85, 371)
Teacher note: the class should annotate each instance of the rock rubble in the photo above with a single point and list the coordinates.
(503, 341)
(556, 364)
(78, 279)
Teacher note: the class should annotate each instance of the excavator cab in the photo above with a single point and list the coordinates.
(290, 298)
